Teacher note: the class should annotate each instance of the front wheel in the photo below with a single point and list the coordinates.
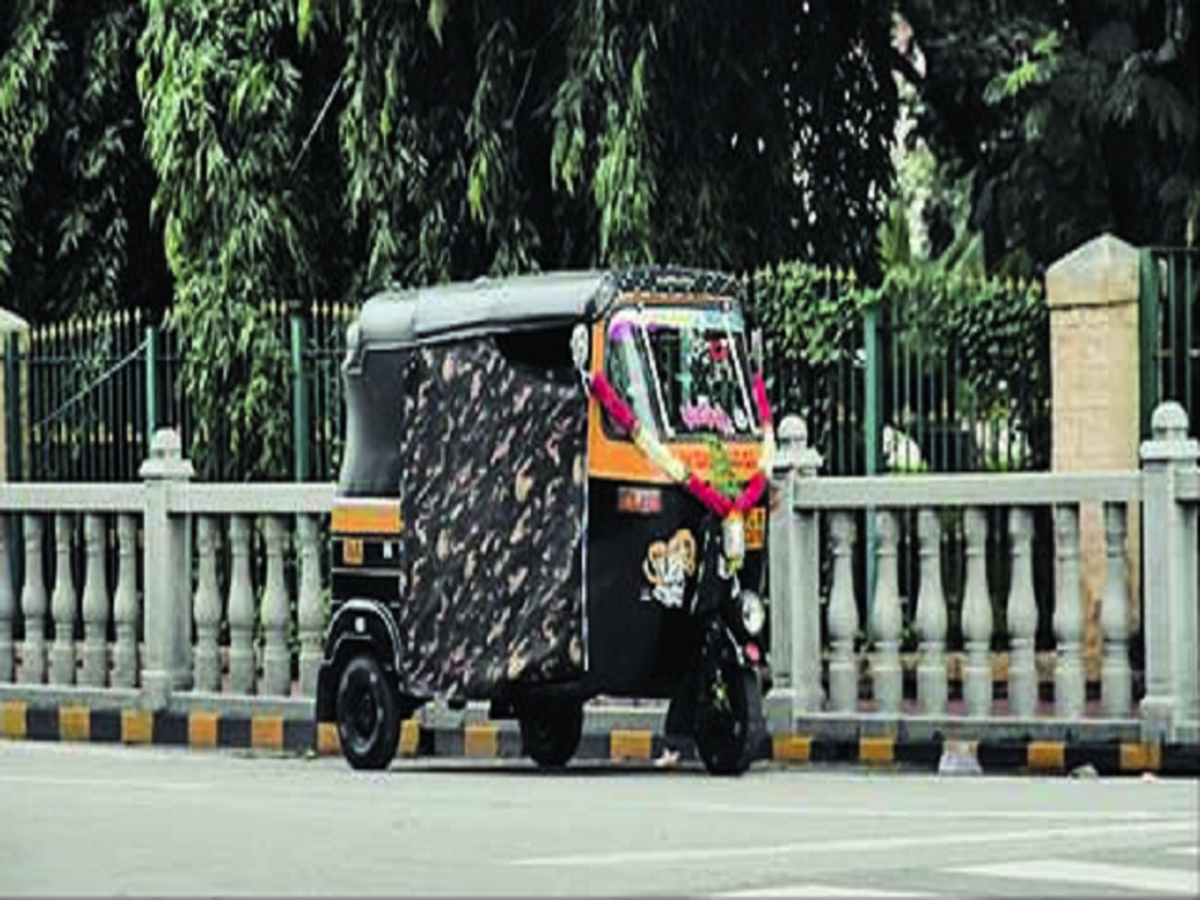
(550, 731)
(368, 714)
(728, 713)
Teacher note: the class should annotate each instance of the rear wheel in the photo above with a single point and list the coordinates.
(728, 712)
(368, 714)
(550, 731)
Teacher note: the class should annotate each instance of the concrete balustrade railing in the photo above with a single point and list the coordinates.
(181, 606)
(822, 685)
(173, 594)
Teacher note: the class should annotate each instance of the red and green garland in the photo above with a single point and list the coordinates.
(627, 421)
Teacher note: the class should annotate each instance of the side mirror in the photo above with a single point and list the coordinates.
(579, 349)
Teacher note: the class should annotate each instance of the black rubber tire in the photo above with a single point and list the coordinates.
(368, 714)
(728, 719)
(550, 731)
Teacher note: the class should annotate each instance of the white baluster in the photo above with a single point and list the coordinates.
(887, 619)
(1116, 689)
(34, 606)
(241, 609)
(311, 611)
(62, 657)
(207, 608)
(1022, 617)
(95, 602)
(8, 606)
(1069, 696)
(126, 612)
(932, 691)
(977, 617)
(276, 617)
(843, 619)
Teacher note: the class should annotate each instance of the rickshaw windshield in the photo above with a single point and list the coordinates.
(683, 370)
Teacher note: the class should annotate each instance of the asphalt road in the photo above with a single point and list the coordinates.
(86, 819)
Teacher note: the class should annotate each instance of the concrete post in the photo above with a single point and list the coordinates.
(843, 618)
(795, 574)
(932, 620)
(63, 602)
(1022, 618)
(207, 608)
(275, 613)
(167, 549)
(312, 608)
(977, 621)
(1093, 299)
(1170, 703)
(887, 618)
(1070, 689)
(95, 603)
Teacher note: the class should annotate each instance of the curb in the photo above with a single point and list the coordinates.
(268, 733)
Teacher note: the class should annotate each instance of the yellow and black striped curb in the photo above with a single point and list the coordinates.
(491, 740)
(1106, 757)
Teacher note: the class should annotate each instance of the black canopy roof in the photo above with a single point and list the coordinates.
(397, 317)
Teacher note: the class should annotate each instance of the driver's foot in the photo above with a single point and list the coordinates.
(668, 760)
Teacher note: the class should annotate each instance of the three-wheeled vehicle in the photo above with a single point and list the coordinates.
(554, 487)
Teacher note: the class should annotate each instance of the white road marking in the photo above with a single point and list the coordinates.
(819, 890)
(849, 845)
(118, 783)
(926, 814)
(1141, 879)
(1185, 851)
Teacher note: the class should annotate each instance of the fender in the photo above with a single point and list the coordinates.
(366, 621)
(357, 624)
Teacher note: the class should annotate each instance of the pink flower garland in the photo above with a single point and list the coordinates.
(627, 421)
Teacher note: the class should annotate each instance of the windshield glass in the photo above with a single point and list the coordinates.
(683, 370)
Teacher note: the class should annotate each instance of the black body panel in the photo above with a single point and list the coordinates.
(639, 642)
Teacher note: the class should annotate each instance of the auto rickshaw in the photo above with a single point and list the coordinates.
(554, 487)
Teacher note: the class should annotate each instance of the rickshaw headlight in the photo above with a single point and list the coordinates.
(754, 613)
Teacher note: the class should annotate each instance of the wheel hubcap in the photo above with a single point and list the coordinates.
(362, 717)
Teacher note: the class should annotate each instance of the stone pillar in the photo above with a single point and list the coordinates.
(1171, 707)
(1093, 298)
(168, 564)
(794, 558)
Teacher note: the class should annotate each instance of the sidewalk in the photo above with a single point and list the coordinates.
(612, 732)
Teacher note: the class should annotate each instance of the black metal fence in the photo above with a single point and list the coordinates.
(84, 396)
(885, 386)
(1169, 322)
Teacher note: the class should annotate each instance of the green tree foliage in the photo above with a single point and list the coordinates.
(220, 95)
(74, 219)
(223, 159)
(1073, 116)
(26, 80)
(707, 133)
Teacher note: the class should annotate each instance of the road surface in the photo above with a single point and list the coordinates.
(87, 819)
